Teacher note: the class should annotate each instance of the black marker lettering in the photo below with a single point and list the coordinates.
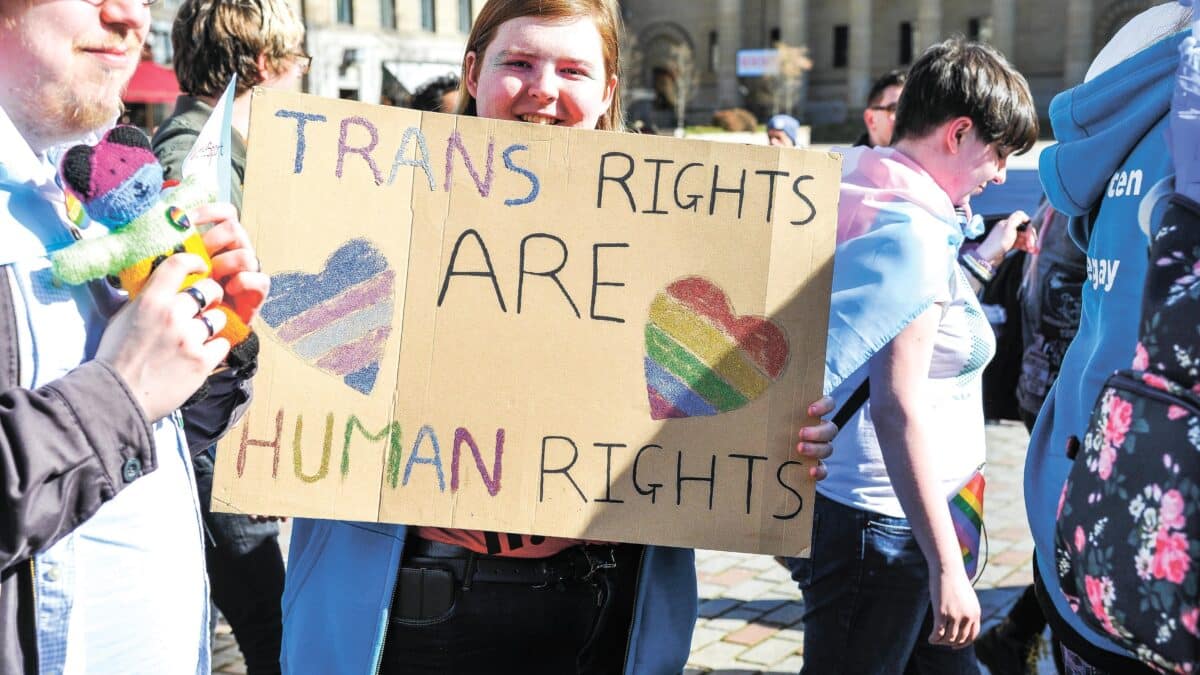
(695, 203)
(680, 479)
(566, 470)
(487, 259)
(621, 180)
(789, 488)
(750, 459)
(771, 176)
(658, 165)
(653, 487)
(608, 448)
(804, 198)
(596, 283)
(551, 274)
(740, 191)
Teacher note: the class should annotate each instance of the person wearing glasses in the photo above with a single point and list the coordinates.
(101, 541)
(260, 42)
(880, 114)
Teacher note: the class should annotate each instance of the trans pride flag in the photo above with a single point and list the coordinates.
(339, 319)
(966, 510)
(898, 237)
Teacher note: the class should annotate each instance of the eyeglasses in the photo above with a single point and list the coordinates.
(889, 108)
(303, 61)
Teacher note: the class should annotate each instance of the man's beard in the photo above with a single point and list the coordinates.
(52, 113)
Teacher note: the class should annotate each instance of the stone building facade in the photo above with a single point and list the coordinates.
(367, 50)
(850, 42)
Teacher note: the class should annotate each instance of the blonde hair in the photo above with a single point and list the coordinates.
(217, 39)
(602, 12)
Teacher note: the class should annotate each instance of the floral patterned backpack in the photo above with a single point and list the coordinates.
(1127, 541)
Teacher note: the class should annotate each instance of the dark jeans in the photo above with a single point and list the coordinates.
(495, 628)
(245, 576)
(866, 598)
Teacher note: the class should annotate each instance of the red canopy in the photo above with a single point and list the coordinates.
(152, 83)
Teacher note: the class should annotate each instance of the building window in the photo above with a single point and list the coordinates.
(841, 46)
(345, 11)
(714, 53)
(775, 35)
(906, 43)
(973, 28)
(428, 18)
(387, 14)
(465, 15)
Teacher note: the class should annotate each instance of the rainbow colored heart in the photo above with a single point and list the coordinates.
(701, 358)
(338, 320)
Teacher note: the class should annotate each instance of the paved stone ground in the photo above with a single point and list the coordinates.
(750, 610)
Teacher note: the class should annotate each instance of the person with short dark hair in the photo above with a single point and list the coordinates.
(880, 114)
(887, 587)
(437, 95)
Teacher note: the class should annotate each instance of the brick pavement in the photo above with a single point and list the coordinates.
(750, 610)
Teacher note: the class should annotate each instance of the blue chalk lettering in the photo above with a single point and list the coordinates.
(302, 119)
(535, 185)
(402, 160)
(436, 460)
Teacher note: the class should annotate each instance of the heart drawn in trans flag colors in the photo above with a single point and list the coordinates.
(701, 358)
(338, 320)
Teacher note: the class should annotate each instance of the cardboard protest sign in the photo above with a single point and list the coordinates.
(526, 329)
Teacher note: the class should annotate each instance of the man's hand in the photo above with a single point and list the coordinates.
(234, 264)
(815, 441)
(955, 608)
(1185, 121)
(1012, 232)
(161, 343)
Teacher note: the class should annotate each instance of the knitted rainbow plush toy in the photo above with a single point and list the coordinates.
(119, 183)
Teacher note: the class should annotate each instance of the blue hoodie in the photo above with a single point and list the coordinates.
(1111, 154)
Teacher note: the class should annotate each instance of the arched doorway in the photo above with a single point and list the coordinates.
(660, 43)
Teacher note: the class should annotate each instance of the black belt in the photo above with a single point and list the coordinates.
(575, 564)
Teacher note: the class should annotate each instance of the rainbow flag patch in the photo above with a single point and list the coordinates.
(702, 359)
(966, 510)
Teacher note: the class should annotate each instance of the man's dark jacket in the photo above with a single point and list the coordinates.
(62, 450)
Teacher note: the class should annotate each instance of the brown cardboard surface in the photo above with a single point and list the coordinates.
(490, 399)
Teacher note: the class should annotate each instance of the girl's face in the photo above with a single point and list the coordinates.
(542, 71)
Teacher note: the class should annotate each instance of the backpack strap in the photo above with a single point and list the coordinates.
(856, 401)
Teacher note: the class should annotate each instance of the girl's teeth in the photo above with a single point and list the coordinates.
(538, 119)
